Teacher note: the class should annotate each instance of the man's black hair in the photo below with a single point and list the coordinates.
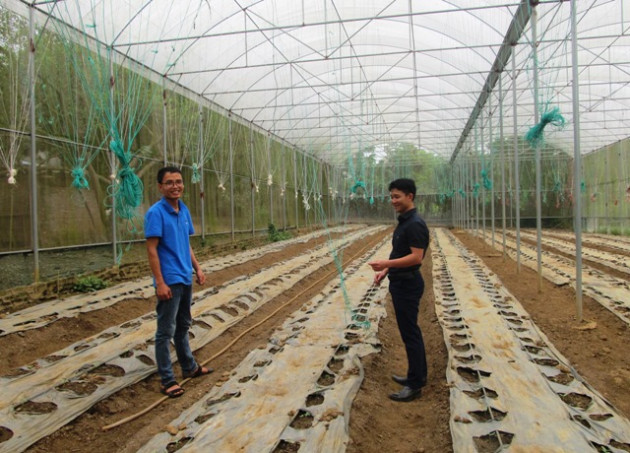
(164, 170)
(405, 185)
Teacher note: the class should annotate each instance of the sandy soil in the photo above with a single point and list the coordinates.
(377, 424)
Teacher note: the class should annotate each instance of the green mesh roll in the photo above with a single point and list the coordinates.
(534, 135)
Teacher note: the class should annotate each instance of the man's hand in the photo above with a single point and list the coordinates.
(163, 291)
(378, 265)
(378, 278)
(201, 278)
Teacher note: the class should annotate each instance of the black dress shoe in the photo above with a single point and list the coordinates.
(399, 379)
(404, 381)
(406, 394)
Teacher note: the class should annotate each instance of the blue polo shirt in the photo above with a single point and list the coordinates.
(173, 229)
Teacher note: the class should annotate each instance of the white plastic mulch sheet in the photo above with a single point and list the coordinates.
(615, 261)
(511, 390)
(612, 292)
(39, 398)
(45, 313)
(296, 393)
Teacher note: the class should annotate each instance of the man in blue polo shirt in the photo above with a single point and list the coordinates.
(167, 229)
(406, 286)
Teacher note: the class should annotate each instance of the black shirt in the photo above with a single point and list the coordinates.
(411, 231)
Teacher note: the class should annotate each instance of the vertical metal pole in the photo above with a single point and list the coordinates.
(491, 169)
(202, 194)
(231, 179)
(503, 157)
(269, 170)
(284, 190)
(537, 152)
(470, 194)
(577, 164)
(33, 181)
(252, 172)
(476, 165)
(112, 160)
(607, 190)
(517, 183)
(165, 127)
(482, 162)
(297, 216)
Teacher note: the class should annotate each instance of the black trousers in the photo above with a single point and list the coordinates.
(406, 294)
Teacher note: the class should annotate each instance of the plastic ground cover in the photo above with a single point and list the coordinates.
(510, 389)
(612, 292)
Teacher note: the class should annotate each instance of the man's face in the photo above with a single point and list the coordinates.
(172, 186)
(400, 201)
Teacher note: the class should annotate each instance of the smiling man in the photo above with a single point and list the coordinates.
(406, 285)
(167, 229)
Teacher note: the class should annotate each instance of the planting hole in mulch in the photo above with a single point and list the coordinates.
(174, 446)
(5, 434)
(326, 379)
(204, 418)
(54, 358)
(109, 370)
(487, 415)
(599, 417)
(80, 388)
(303, 420)
(577, 400)
(335, 365)
(33, 408)
(314, 399)
(146, 359)
(287, 447)
(561, 378)
(490, 443)
(470, 375)
(481, 393)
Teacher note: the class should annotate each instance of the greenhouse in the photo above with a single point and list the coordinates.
(288, 120)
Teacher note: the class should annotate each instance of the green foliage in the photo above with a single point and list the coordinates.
(89, 284)
(275, 235)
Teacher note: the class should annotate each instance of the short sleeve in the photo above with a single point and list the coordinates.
(418, 235)
(152, 224)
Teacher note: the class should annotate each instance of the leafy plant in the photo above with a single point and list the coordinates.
(89, 284)
(275, 235)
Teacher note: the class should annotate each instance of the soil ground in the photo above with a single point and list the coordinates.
(377, 424)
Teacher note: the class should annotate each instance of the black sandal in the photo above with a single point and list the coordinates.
(172, 390)
(199, 371)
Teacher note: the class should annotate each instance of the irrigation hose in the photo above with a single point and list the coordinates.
(230, 344)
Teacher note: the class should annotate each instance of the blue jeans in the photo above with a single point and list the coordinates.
(173, 321)
(406, 295)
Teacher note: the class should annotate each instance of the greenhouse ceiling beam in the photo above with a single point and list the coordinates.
(370, 55)
(306, 61)
(303, 25)
(337, 84)
(515, 30)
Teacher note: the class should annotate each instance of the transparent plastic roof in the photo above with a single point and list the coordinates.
(332, 76)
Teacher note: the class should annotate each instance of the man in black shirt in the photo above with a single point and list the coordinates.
(409, 244)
